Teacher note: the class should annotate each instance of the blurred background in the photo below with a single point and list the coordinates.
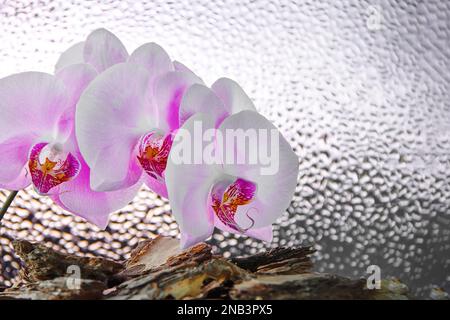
(359, 88)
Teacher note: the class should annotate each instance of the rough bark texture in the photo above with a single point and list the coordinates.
(42, 263)
(158, 269)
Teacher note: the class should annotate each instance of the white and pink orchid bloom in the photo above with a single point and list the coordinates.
(38, 146)
(126, 117)
(101, 49)
(235, 198)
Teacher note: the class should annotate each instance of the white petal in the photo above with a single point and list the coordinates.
(276, 180)
(152, 57)
(188, 241)
(199, 98)
(189, 184)
(181, 67)
(22, 181)
(77, 197)
(168, 91)
(103, 49)
(232, 95)
(76, 78)
(31, 103)
(264, 233)
(111, 116)
(73, 55)
(13, 159)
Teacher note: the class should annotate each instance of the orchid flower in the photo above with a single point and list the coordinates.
(38, 146)
(125, 119)
(234, 197)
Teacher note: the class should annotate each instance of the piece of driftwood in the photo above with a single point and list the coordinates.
(278, 260)
(159, 269)
(314, 286)
(163, 252)
(43, 263)
(61, 288)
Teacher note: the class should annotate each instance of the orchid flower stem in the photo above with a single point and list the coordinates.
(7, 203)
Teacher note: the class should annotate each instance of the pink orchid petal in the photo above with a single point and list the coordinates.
(157, 186)
(199, 98)
(274, 189)
(103, 49)
(188, 185)
(73, 55)
(187, 240)
(264, 233)
(76, 78)
(57, 201)
(232, 95)
(22, 181)
(77, 197)
(31, 103)
(153, 58)
(13, 160)
(168, 91)
(112, 114)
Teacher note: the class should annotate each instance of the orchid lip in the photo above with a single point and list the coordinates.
(51, 166)
(153, 152)
(227, 197)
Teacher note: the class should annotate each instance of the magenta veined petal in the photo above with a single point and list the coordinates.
(49, 166)
(153, 153)
(232, 203)
(225, 200)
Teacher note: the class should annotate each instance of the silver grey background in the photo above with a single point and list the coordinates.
(359, 88)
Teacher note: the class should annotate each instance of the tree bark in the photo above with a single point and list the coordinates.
(158, 269)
